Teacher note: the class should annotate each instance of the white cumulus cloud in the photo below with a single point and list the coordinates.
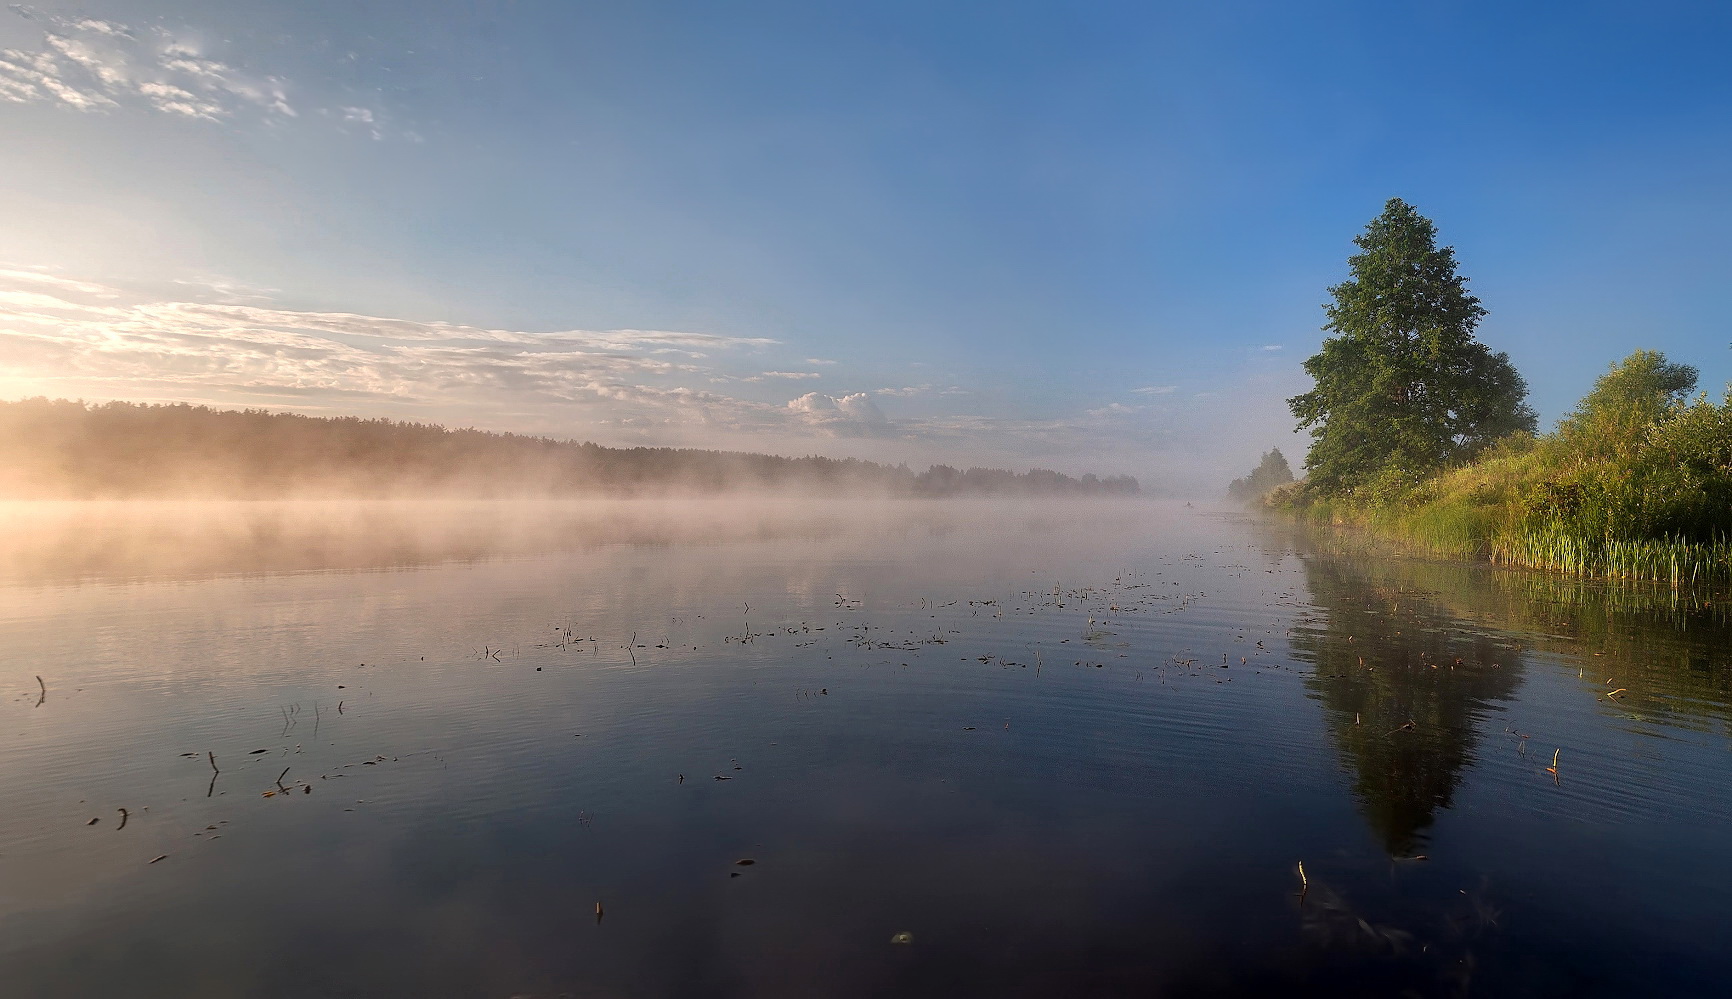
(828, 409)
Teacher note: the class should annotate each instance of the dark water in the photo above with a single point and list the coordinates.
(1068, 750)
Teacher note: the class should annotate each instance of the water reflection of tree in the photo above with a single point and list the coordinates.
(1671, 650)
(1402, 684)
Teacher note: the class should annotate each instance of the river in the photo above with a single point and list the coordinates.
(777, 748)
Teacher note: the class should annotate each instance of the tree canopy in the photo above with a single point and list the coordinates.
(1637, 459)
(1404, 388)
(1626, 401)
(1272, 471)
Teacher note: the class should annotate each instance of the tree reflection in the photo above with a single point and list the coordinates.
(1403, 684)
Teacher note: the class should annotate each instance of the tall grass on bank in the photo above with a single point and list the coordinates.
(1675, 560)
(1537, 597)
(1458, 530)
(1463, 531)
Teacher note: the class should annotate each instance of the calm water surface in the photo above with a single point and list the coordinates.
(1065, 750)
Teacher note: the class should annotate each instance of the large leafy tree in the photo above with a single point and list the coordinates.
(1272, 471)
(1403, 388)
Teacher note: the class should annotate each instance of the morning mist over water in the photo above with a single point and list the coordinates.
(543, 500)
(1016, 731)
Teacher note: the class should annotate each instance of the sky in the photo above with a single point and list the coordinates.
(1091, 237)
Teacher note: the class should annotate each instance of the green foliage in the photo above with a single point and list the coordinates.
(1612, 421)
(1403, 389)
(1271, 472)
(1635, 484)
(1634, 460)
(1675, 560)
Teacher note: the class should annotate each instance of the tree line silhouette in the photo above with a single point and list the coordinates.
(117, 450)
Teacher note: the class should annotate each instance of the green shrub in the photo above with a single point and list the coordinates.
(1636, 483)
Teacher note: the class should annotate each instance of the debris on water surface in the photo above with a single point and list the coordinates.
(903, 937)
(744, 862)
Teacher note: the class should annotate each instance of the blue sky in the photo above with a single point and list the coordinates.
(1089, 236)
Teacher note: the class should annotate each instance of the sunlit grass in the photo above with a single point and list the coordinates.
(1677, 561)
(1457, 527)
(1488, 511)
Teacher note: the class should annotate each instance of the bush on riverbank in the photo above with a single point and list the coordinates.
(1636, 482)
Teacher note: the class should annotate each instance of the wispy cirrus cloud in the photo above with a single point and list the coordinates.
(66, 336)
(31, 277)
(93, 65)
(363, 117)
(63, 336)
(61, 331)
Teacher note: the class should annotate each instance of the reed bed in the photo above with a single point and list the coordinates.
(1677, 561)
(1468, 531)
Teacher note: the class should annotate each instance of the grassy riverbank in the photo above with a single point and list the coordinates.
(1636, 483)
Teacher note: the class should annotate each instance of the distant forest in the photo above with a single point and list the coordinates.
(121, 450)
